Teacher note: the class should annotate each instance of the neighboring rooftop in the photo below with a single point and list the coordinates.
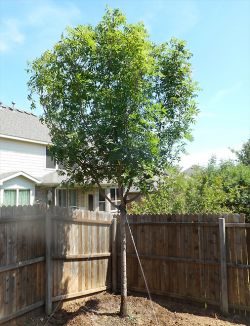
(191, 170)
(53, 178)
(21, 124)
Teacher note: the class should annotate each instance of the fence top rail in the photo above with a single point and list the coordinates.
(81, 220)
(75, 214)
(237, 225)
(204, 224)
(208, 224)
(209, 218)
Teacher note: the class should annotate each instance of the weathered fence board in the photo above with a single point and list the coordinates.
(81, 253)
(182, 258)
(22, 261)
(51, 255)
(180, 255)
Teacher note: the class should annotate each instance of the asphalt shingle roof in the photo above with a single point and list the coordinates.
(53, 178)
(17, 123)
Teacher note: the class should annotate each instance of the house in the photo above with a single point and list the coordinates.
(28, 175)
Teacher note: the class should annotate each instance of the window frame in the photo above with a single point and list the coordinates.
(116, 200)
(67, 196)
(50, 163)
(101, 203)
(17, 193)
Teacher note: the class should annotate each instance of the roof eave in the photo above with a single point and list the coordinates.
(20, 174)
(25, 139)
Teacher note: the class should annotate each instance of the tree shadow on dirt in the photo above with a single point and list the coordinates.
(92, 306)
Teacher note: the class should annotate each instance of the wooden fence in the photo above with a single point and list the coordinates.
(192, 257)
(51, 255)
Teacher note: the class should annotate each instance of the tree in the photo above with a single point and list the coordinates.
(236, 185)
(170, 197)
(117, 105)
(216, 188)
(243, 155)
(201, 192)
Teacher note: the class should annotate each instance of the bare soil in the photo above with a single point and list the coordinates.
(103, 310)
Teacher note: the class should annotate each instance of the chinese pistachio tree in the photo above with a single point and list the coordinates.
(119, 107)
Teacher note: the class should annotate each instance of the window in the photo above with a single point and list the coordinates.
(62, 197)
(72, 197)
(91, 202)
(67, 197)
(114, 196)
(9, 197)
(24, 197)
(50, 163)
(102, 205)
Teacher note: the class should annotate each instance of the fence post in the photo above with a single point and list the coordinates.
(223, 266)
(114, 255)
(48, 292)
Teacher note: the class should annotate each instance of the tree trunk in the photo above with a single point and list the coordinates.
(123, 308)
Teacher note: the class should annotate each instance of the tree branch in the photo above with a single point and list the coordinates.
(127, 191)
(108, 199)
(100, 187)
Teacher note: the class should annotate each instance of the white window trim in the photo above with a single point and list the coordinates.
(116, 201)
(17, 195)
(102, 201)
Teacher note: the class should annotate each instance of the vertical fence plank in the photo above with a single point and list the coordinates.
(48, 298)
(223, 266)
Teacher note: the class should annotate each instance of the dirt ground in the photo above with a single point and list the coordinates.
(103, 309)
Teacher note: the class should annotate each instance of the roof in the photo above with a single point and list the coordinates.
(191, 170)
(20, 124)
(53, 178)
(10, 175)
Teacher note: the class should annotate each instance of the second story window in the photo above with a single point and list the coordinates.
(50, 163)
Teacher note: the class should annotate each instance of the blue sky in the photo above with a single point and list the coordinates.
(217, 33)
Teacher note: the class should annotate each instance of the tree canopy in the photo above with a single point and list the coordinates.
(243, 155)
(118, 106)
